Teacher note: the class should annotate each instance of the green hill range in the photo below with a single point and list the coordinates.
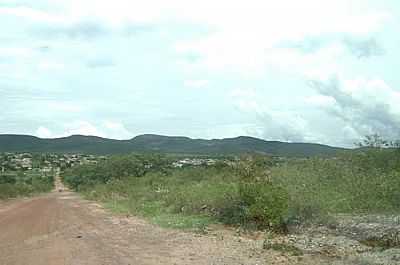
(160, 144)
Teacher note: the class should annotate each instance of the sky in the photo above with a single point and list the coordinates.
(297, 71)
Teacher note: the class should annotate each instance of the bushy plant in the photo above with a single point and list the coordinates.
(266, 205)
(114, 168)
(20, 184)
(361, 181)
(8, 178)
(253, 191)
(239, 195)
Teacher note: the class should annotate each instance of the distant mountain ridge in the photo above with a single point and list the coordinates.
(161, 144)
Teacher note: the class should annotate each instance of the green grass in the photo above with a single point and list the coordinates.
(182, 221)
(155, 213)
(188, 197)
(255, 192)
(20, 184)
(173, 200)
(363, 182)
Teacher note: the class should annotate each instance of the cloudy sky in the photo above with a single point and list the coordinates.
(300, 71)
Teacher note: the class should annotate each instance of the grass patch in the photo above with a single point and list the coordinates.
(254, 192)
(196, 222)
(20, 184)
(154, 212)
(355, 183)
(191, 197)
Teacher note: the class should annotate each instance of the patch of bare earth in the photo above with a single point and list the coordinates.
(62, 228)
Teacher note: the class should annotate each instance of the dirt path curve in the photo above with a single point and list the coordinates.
(61, 228)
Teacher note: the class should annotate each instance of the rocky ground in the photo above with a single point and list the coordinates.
(368, 239)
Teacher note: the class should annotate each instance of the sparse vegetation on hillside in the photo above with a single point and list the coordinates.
(161, 144)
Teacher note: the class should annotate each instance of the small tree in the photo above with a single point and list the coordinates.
(373, 141)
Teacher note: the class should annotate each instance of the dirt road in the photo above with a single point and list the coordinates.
(62, 228)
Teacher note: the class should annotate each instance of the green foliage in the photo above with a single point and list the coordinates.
(163, 144)
(115, 168)
(24, 184)
(373, 141)
(260, 203)
(360, 182)
(8, 178)
(238, 195)
(265, 205)
(254, 192)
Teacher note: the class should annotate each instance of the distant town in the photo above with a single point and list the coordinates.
(44, 162)
(49, 162)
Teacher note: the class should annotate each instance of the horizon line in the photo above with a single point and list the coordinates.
(177, 136)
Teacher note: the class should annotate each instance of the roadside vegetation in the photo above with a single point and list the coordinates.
(19, 183)
(359, 182)
(254, 192)
(239, 194)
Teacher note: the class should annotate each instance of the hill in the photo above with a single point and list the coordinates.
(161, 144)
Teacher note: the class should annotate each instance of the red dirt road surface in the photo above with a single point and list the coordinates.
(62, 229)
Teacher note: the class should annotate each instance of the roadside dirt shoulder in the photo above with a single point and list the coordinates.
(61, 228)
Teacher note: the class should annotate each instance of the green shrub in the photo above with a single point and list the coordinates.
(265, 205)
(356, 182)
(224, 193)
(8, 179)
(233, 212)
(254, 192)
(115, 168)
(14, 185)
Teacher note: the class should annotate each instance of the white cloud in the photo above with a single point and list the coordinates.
(43, 132)
(32, 14)
(63, 106)
(365, 106)
(82, 128)
(251, 44)
(49, 65)
(246, 35)
(272, 124)
(321, 64)
(320, 101)
(18, 52)
(106, 129)
(116, 12)
(372, 91)
(245, 99)
(243, 35)
(116, 130)
(195, 83)
(226, 131)
(248, 93)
